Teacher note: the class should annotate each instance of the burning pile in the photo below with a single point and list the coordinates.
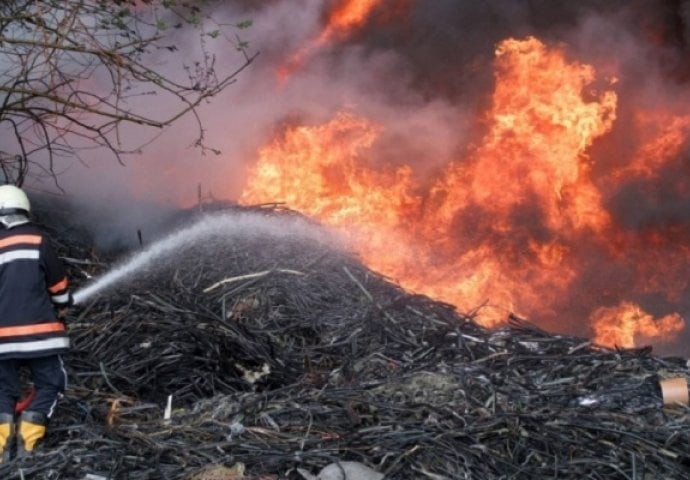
(525, 219)
(282, 351)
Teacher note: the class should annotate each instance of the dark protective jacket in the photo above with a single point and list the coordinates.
(32, 283)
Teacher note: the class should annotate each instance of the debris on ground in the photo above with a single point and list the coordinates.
(281, 356)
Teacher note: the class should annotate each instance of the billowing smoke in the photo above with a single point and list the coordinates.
(425, 70)
(427, 65)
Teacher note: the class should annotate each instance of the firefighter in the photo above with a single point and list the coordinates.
(34, 297)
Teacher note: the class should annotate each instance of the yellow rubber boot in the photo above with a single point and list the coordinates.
(32, 428)
(6, 436)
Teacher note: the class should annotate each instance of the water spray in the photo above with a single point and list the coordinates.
(227, 224)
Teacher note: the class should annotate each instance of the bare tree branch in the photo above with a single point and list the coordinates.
(79, 69)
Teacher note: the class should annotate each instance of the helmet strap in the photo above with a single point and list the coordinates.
(13, 220)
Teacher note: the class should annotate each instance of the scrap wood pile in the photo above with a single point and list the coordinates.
(280, 351)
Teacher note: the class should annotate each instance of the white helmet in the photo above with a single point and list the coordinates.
(13, 200)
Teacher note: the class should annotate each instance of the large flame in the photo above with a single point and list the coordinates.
(503, 228)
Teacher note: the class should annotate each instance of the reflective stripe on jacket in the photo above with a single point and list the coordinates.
(32, 283)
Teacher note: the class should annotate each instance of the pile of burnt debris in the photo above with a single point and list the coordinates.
(250, 345)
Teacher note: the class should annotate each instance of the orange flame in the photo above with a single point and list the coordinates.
(321, 171)
(348, 15)
(344, 18)
(501, 227)
(541, 128)
(622, 325)
(664, 135)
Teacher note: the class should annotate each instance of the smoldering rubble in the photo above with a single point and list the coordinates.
(276, 357)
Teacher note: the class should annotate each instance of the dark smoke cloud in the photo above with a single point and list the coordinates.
(448, 45)
(660, 204)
